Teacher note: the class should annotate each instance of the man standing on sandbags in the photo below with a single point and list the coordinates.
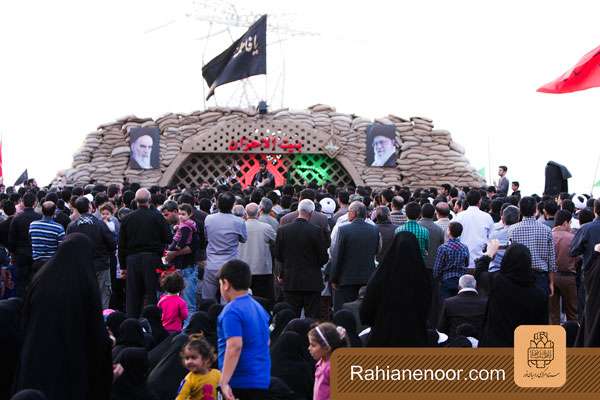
(503, 183)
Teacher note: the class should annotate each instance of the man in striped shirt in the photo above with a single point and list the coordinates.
(45, 235)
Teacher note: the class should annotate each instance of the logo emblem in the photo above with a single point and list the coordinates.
(540, 356)
(541, 350)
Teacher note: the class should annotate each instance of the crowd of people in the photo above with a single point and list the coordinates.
(124, 292)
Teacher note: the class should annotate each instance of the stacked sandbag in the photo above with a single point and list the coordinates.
(82, 159)
(428, 156)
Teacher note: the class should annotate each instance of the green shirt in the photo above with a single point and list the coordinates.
(420, 232)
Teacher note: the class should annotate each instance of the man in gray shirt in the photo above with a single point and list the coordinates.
(256, 252)
(436, 234)
(223, 231)
(266, 205)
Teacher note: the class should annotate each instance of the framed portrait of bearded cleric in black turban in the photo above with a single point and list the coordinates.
(381, 145)
(145, 148)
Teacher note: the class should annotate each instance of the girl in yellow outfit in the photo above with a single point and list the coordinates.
(202, 381)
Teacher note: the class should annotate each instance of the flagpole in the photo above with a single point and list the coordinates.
(595, 175)
(203, 54)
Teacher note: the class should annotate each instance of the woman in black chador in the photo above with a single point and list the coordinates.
(66, 349)
(514, 299)
(398, 297)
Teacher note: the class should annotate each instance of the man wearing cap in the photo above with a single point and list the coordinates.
(328, 208)
(263, 177)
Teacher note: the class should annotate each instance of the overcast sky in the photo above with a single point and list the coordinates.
(471, 66)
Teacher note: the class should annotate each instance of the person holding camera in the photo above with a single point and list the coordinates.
(509, 217)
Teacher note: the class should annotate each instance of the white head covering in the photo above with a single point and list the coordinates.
(580, 201)
(327, 205)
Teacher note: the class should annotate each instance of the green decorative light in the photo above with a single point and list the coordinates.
(311, 165)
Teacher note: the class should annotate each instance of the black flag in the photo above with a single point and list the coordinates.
(246, 57)
(22, 179)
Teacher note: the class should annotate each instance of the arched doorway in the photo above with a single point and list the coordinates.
(296, 153)
(293, 169)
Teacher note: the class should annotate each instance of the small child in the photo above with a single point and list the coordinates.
(174, 309)
(202, 381)
(323, 340)
(106, 211)
(185, 220)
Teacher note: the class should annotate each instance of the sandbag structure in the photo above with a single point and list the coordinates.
(220, 144)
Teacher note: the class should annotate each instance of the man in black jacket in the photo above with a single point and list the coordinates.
(10, 210)
(353, 256)
(143, 237)
(19, 243)
(466, 307)
(103, 242)
(59, 216)
(302, 250)
(316, 218)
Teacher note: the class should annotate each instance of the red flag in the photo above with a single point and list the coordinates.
(584, 75)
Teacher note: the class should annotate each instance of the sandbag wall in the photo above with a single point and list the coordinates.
(428, 157)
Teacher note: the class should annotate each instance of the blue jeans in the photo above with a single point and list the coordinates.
(190, 277)
(541, 281)
(448, 288)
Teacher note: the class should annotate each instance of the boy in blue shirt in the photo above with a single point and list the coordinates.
(243, 337)
(451, 262)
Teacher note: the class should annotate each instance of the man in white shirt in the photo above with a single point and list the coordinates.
(477, 226)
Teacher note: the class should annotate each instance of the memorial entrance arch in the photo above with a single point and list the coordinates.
(296, 153)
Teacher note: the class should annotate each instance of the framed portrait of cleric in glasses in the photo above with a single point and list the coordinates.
(381, 145)
(145, 148)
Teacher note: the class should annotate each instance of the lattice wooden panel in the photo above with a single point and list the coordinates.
(294, 169)
(244, 131)
(307, 167)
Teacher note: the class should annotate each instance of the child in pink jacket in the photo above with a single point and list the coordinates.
(174, 309)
